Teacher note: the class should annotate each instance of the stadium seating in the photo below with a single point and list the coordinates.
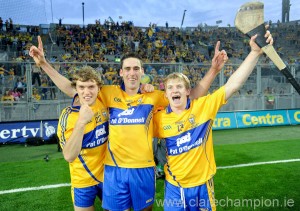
(163, 50)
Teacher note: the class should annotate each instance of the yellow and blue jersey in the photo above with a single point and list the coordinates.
(130, 126)
(87, 169)
(190, 155)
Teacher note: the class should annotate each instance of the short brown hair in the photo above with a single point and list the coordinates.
(86, 73)
(131, 55)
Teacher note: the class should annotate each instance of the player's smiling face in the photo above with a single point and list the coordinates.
(177, 94)
(132, 73)
(87, 91)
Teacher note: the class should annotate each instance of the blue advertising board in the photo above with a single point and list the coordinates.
(225, 120)
(294, 117)
(262, 118)
(18, 132)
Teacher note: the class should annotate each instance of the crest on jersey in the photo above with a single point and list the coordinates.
(104, 113)
(140, 100)
(192, 119)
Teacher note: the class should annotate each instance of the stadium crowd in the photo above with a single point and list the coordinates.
(161, 48)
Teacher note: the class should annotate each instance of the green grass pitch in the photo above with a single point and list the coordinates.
(265, 186)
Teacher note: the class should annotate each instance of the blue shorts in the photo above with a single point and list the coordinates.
(126, 188)
(85, 197)
(194, 199)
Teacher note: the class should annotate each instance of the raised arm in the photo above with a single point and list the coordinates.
(238, 78)
(218, 61)
(37, 53)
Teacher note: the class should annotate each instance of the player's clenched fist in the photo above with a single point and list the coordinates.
(85, 114)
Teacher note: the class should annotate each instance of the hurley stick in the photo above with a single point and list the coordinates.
(250, 21)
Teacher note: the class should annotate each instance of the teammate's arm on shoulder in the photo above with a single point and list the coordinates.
(146, 88)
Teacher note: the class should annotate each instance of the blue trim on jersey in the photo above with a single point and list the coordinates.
(96, 137)
(171, 174)
(188, 105)
(135, 115)
(122, 86)
(188, 140)
(111, 154)
(63, 124)
(86, 168)
(75, 108)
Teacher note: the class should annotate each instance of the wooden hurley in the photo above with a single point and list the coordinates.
(250, 21)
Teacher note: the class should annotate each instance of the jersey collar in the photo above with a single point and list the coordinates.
(188, 104)
(123, 88)
(75, 108)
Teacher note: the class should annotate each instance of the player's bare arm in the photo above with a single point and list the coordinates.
(218, 61)
(37, 53)
(238, 78)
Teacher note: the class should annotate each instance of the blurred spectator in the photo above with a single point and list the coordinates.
(250, 92)
(161, 71)
(282, 91)
(16, 94)
(7, 104)
(44, 89)
(100, 69)
(270, 98)
(20, 86)
(60, 22)
(2, 71)
(35, 95)
(228, 72)
(161, 84)
(11, 25)
(136, 45)
(116, 80)
(1, 24)
(210, 49)
(52, 90)
(7, 26)
(11, 74)
(109, 74)
(36, 98)
(36, 71)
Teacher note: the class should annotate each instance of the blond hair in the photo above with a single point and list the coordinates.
(179, 76)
